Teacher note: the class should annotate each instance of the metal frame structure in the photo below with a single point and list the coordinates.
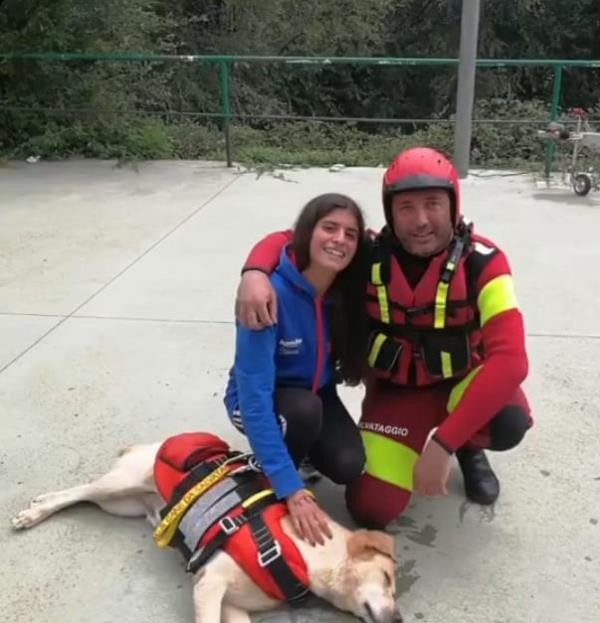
(224, 64)
(583, 136)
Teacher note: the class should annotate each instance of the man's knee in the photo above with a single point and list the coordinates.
(508, 428)
(374, 503)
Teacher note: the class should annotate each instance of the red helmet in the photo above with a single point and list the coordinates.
(417, 168)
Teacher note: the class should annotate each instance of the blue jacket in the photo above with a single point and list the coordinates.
(294, 353)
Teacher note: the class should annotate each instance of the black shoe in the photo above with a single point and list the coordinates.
(481, 484)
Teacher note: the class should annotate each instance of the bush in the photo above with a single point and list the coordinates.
(110, 138)
(300, 143)
(147, 140)
(508, 144)
(320, 144)
(192, 141)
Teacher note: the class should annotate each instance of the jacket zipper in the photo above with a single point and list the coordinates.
(320, 337)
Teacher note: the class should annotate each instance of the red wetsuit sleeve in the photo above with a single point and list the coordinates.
(265, 254)
(504, 366)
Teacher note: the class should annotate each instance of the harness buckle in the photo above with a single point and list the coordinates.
(266, 557)
(228, 525)
(254, 465)
(251, 464)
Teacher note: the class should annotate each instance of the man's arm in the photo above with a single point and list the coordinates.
(264, 255)
(489, 387)
(256, 302)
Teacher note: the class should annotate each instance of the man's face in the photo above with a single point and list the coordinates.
(422, 220)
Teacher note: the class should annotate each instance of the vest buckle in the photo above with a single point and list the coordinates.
(228, 525)
(269, 555)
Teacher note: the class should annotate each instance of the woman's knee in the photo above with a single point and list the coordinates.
(300, 415)
(374, 503)
(508, 428)
(300, 407)
(346, 465)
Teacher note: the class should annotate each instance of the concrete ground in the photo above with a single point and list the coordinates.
(116, 298)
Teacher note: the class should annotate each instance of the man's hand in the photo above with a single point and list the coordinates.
(309, 521)
(432, 470)
(256, 301)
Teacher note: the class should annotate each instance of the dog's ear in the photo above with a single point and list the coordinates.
(368, 541)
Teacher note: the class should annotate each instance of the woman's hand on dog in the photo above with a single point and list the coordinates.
(309, 521)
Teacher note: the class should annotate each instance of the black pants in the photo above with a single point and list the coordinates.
(508, 427)
(318, 427)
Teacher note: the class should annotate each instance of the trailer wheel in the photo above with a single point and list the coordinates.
(582, 184)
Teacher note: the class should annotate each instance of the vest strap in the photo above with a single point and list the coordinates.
(269, 550)
(416, 335)
(216, 502)
(414, 312)
(457, 247)
(196, 474)
(270, 558)
(167, 528)
(229, 525)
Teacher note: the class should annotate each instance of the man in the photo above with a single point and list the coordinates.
(447, 344)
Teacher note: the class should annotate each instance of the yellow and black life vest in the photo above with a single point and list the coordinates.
(424, 334)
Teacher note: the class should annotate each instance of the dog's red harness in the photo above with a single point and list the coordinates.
(218, 499)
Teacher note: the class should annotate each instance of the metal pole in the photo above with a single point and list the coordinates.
(224, 71)
(553, 115)
(469, 30)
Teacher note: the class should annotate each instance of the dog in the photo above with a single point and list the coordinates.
(354, 570)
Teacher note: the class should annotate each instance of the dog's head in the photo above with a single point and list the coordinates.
(369, 578)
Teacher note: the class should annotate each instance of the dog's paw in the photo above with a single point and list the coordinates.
(25, 519)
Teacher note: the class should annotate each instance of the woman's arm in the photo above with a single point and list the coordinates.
(255, 377)
(255, 373)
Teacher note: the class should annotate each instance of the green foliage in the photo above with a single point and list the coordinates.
(501, 144)
(138, 139)
(194, 141)
(149, 140)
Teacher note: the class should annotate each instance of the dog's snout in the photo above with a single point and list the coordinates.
(385, 615)
(397, 616)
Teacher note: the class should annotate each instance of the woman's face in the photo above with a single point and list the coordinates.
(334, 241)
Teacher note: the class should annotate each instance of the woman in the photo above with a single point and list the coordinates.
(282, 388)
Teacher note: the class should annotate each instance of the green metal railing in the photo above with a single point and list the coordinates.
(224, 64)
